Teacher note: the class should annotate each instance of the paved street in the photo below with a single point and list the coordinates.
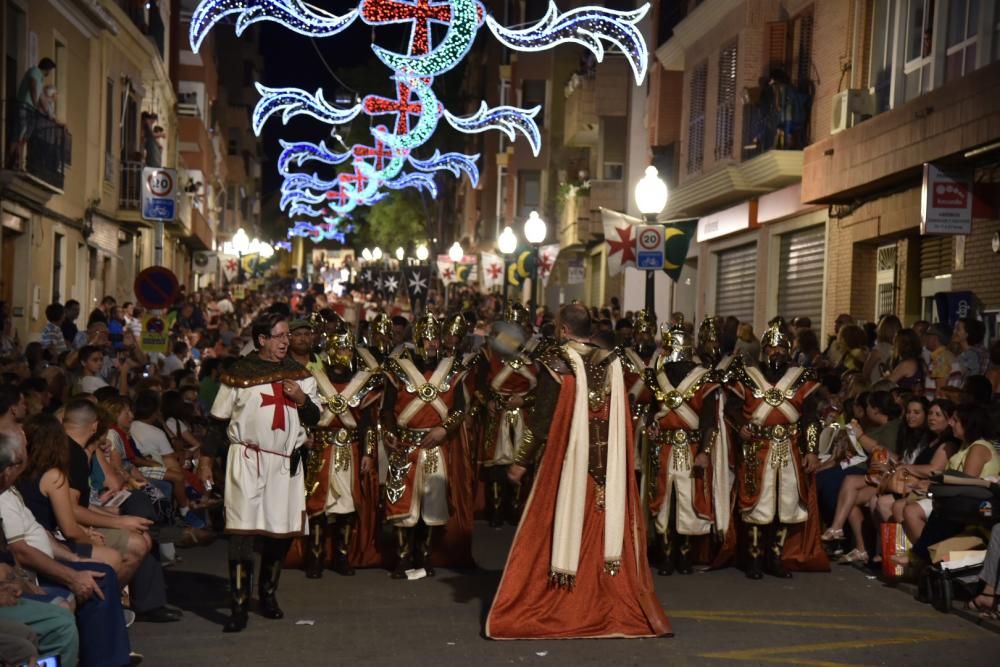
(841, 618)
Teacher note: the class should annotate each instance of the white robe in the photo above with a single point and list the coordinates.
(262, 497)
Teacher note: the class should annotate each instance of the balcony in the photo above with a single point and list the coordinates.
(574, 219)
(36, 147)
(607, 194)
(591, 94)
(776, 122)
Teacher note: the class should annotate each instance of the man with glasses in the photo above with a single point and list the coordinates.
(267, 398)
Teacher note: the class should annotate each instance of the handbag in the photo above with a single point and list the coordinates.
(893, 541)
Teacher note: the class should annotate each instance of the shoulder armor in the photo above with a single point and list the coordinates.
(556, 360)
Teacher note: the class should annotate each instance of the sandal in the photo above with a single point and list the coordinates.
(854, 556)
(983, 610)
(832, 535)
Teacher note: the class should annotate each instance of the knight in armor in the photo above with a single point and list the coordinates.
(685, 450)
(428, 468)
(380, 337)
(509, 376)
(636, 360)
(709, 348)
(340, 476)
(779, 441)
(577, 567)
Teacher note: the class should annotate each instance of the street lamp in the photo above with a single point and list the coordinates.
(651, 199)
(423, 253)
(400, 253)
(377, 254)
(366, 255)
(507, 243)
(241, 243)
(534, 233)
(455, 252)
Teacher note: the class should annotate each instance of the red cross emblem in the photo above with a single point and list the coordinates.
(419, 13)
(448, 274)
(402, 107)
(625, 244)
(279, 401)
(231, 265)
(379, 151)
(494, 270)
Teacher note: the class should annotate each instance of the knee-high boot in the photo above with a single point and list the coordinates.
(775, 551)
(684, 555)
(666, 567)
(755, 553)
(342, 542)
(426, 546)
(404, 552)
(270, 573)
(240, 581)
(494, 502)
(315, 548)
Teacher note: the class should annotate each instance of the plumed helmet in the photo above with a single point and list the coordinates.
(340, 336)
(775, 335)
(708, 332)
(676, 342)
(382, 325)
(426, 328)
(645, 323)
(456, 326)
(517, 313)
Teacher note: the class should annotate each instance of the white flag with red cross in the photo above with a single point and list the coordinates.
(491, 267)
(619, 232)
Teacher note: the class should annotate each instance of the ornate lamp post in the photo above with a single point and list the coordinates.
(651, 199)
(507, 244)
(534, 233)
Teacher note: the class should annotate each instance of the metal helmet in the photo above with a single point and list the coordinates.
(518, 314)
(456, 326)
(676, 342)
(382, 325)
(775, 335)
(644, 323)
(708, 332)
(340, 344)
(426, 328)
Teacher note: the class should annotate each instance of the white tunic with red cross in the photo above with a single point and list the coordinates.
(262, 496)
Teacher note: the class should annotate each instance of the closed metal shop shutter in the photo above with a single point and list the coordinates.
(936, 255)
(736, 282)
(800, 274)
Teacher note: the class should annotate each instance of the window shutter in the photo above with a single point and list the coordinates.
(802, 56)
(777, 45)
(736, 282)
(725, 113)
(936, 253)
(696, 119)
(800, 273)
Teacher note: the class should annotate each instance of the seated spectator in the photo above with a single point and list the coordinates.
(857, 490)
(908, 371)
(882, 415)
(880, 356)
(986, 602)
(976, 457)
(971, 357)
(807, 347)
(941, 358)
(176, 359)
(93, 585)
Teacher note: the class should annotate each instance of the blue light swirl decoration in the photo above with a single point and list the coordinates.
(586, 26)
(508, 120)
(294, 102)
(299, 152)
(418, 180)
(456, 163)
(293, 14)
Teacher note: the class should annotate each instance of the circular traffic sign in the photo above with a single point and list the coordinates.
(650, 239)
(156, 287)
(160, 183)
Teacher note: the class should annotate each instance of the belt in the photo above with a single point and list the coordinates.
(412, 436)
(775, 431)
(335, 436)
(678, 436)
(253, 449)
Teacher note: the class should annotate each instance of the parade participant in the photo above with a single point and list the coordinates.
(340, 475)
(380, 337)
(685, 453)
(779, 434)
(266, 397)
(577, 565)
(509, 374)
(709, 348)
(429, 476)
(637, 360)
(300, 342)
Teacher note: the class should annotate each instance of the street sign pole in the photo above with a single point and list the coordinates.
(158, 243)
(159, 204)
(649, 251)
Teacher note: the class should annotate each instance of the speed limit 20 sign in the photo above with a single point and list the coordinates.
(159, 193)
(649, 247)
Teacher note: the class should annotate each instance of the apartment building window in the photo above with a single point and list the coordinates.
(919, 42)
(725, 112)
(963, 28)
(529, 192)
(233, 147)
(532, 95)
(696, 119)
(57, 267)
(62, 72)
(880, 58)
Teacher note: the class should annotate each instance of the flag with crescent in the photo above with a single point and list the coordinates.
(547, 256)
(619, 232)
(518, 269)
(677, 236)
(492, 271)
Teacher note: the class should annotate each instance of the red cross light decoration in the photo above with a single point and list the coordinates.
(420, 13)
(494, 270)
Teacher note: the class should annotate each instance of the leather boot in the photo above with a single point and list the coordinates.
(755, 555)
(315, 547)
(426, 545)
(342, 542)
(267, 588)
(666, 562)
(494, 503)
(684, 556)
(773, 565)
(240, 578)
(404, 552)
(514, 508)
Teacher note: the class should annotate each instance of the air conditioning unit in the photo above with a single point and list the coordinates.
(205, 262)
(850, 107)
